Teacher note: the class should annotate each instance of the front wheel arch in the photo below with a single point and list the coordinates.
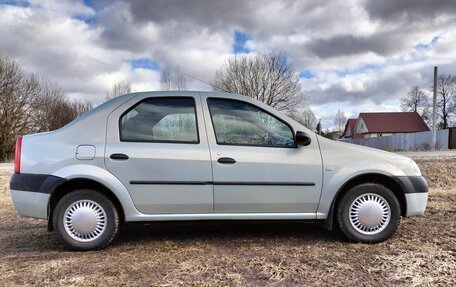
(376, 178)
(81, 183)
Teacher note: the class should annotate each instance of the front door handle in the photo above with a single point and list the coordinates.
(119, 156)
(227, 160)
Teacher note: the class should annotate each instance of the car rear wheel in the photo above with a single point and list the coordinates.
(86, 220)
(368, 213)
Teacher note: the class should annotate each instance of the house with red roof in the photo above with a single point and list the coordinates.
(349, 130)
(370, 125)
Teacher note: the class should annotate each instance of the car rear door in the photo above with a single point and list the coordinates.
(157, 147)
(257, 167)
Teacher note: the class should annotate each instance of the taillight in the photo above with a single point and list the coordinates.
(17, 156)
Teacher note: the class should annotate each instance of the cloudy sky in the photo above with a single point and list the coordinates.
(356, 55)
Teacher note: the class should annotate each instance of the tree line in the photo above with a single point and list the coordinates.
(30, 104)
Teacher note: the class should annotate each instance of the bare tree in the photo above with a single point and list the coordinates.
(166, 79)
(49, 108)
(54, 110)
(179, 81)
(446, 99)
(340, 120)
(29, 105)
(267, 77)
(418, 101)
(18, 94)
(306, 117)
(80, 108)
(118, 89)
(172, 79)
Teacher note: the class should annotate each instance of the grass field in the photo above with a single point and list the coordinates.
(421, 253)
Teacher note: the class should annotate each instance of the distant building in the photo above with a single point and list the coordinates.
(370, 125)
(333, 135)
(349, 130)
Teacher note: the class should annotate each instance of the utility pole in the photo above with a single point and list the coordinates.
(434, 110)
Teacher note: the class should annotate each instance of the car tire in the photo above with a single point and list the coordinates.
(86, 220)
(368, 213)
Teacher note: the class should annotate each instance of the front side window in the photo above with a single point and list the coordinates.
(161, 120)
(240, 123)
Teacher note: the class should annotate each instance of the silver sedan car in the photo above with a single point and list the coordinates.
(162, 156)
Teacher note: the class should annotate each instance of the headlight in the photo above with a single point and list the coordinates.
(412, 169)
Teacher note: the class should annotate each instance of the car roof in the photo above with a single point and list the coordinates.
(182, 94)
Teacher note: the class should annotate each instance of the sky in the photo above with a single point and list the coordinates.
(352, 55)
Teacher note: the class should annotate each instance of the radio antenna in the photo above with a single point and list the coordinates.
(195, 78)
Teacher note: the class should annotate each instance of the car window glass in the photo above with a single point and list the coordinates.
(161, 120)
(239, 123)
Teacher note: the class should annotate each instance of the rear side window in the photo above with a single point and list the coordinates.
(161, 120)
(240, 123)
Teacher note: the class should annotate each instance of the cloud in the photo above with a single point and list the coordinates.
(354, 54)
(63, 7)
(352, 45)
(215, 15)
(54, 45)
(389, 82)
(410, 10)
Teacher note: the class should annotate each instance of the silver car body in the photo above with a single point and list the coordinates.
(185, 181)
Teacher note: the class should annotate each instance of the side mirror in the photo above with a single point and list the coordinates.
(302, 138)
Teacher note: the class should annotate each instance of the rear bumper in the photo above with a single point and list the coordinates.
(31, 204)
(31, 192)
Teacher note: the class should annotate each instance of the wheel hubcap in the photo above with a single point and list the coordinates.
(84, 220)
(370, 214)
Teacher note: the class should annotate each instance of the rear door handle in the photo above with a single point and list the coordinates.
(119, 156)
(227, 160)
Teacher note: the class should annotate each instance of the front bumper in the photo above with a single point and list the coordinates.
(416, 203)
(416, 194)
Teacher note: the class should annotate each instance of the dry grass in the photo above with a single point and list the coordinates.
(422, 253)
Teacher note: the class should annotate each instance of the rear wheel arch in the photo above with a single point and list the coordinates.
(81, 183)
(376, 178)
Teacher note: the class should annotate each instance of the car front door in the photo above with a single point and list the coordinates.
(157, 147)
(257, 166)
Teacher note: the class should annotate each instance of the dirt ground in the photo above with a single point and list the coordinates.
(422, 252)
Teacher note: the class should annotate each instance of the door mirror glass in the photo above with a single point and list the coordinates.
(302, 138)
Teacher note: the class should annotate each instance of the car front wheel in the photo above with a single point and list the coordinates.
(368, 213)
(86, 220)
